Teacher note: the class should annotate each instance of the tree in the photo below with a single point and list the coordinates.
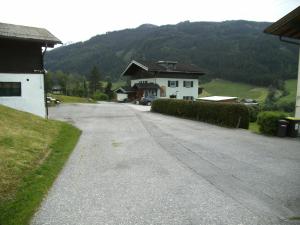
(94, 80)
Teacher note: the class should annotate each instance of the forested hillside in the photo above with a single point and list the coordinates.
(231, 50)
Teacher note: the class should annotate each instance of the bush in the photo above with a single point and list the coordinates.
(224, 114)
(268, 121)
(287, 106)
(99, 96)
(253, 112)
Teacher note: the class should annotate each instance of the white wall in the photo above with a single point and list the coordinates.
(121, 96)
(32, 93)
(180, 90)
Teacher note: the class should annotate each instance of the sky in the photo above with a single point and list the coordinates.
(79, 20)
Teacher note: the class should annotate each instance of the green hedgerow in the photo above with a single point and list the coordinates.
(224, 114)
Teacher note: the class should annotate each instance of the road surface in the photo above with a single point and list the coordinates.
(132, 166)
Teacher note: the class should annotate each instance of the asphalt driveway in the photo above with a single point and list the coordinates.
(132, 166)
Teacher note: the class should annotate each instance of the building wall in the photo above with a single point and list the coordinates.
(180, 91)
(32, 97)
(20, 56)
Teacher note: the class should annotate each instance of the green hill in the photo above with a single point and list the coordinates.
(228, 88)
(32, 152)
(232, 50)
(291, 87)
(241, 90)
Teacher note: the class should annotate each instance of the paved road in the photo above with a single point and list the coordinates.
(136, 167)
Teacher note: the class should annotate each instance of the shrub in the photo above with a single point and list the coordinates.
(224, 114)
(253, 112)
(287, 106)
(99, 96)
(268, 121)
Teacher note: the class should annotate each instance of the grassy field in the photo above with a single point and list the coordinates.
(228, 88)
(291, 87)
(32, 152)
(71, 99)
(115, 85)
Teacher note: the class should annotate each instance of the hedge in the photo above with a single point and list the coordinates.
(268, 121)
(99, 96)
(223, 114)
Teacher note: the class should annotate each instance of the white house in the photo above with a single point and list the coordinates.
(22, 67)
(288, 30)
(163, 79)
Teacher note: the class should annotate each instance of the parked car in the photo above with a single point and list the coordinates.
(249, 101)
(51, 100)
(147, 100)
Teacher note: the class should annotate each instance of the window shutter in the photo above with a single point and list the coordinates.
(168, 83)
(177, 83)
(192, 83)
(183, 83)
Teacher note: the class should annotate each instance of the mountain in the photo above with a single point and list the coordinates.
(232, 50)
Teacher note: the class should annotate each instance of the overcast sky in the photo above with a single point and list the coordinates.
(78, 20)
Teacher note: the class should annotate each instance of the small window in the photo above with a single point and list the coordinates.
(188, 84)
(10, 89)
(172, 83)
(191, 98)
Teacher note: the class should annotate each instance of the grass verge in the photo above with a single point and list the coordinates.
(33, 151)
(254, 127)
(72, 99)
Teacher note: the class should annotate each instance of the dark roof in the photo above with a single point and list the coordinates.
(17, 32)
(146, 86)
(288, 26)
(124, 89)
(150, 66)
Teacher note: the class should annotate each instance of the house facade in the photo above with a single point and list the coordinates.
(22, 71)
(163, 79)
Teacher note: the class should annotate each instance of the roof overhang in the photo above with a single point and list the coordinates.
(133, 62)
(287, 27)
(21, 33)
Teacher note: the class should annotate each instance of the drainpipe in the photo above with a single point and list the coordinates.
(297, 107)
(45, 88)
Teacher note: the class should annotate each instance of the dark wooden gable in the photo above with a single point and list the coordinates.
(17, 56)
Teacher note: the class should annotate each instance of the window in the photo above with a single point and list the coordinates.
(188, 84)
(10, 89)
(143, 82)
(188, 98)
(172, 83)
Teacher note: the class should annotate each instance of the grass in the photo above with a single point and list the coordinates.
(254, 127)
(72, 99)
(32, 152)
(228, 88)
(291, 87)
(115, 85)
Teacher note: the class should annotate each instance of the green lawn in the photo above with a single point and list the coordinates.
(291, 87)
(254, 127)
(71, 99)
(115, 85)
(228, 88)
(32, 152)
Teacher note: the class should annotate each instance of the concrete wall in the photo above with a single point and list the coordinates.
(297, 114)
(180, 91)
(32, 93)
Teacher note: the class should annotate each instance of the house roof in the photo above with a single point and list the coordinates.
(288, 26)
(146, 86)
(124, 89)
(150, 66)
(33, 34)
